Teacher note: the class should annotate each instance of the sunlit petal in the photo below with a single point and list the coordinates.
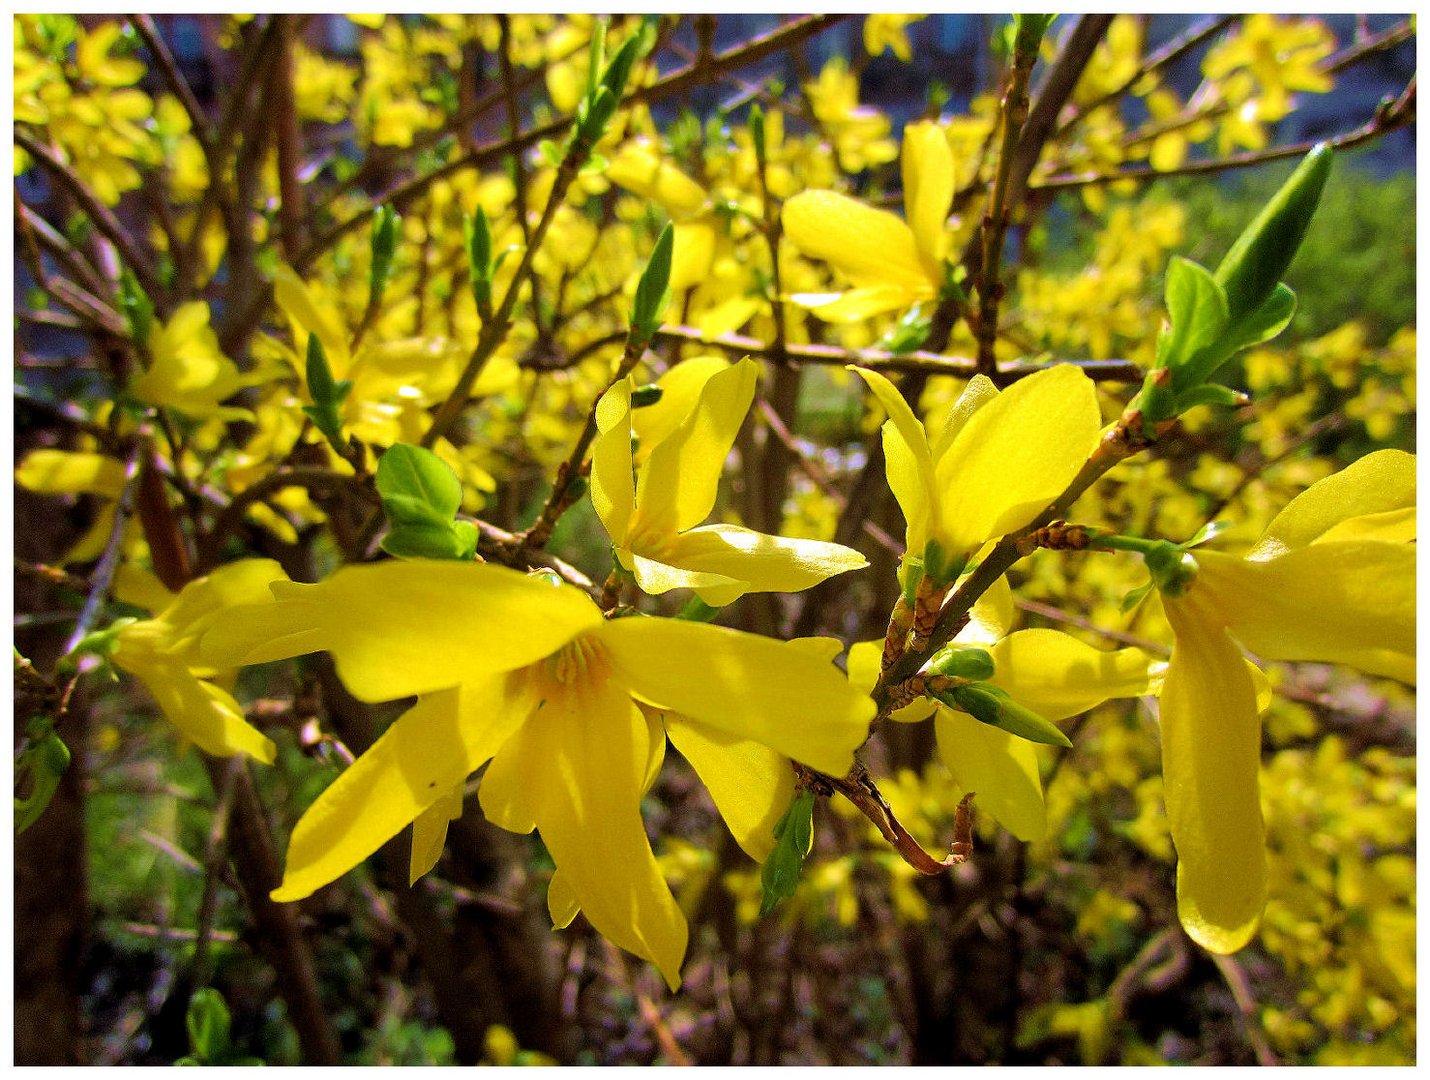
(870, 247)
(680, 392)
(1379, 482)
(1058, 676)
(928, 191)
(613, 489)
(763, 563)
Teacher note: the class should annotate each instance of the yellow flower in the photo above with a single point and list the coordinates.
(164, 653)
(1051, 673)
(525, 674)
(888, 31)
(65, 472)
(1332, 580)
(891, 264)
(998, 462)
(651, 517)
(859, 133)
(188, 372)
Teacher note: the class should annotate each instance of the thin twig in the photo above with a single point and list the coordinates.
(103, 575)
(148, 31)
(1240, 988)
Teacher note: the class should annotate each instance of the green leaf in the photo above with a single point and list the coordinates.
(415, 541)
(653, 292)
(1264, 323)
(137, 307)
(757, 132)
(794, 836)
(643, 396)
(1210, 531)
(1198, 311)
(208, 1024)
(1258, 260)
(1210, 394)
(1135, 597)
(993, 706)
(413, 473)
(45, 762)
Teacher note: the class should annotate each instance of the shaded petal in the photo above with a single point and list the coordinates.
(979, 391)
(655, 577)
(868, 246)
(613, 485)
(1000, 768)
(680, 393)
(429, 832)
(928, 191)
(202, 601)
(410, 627)
(1058, 676)
(751, 784)
(910, 464)
(1340, 602)
(1015, 455)
(692, 252)
(589, 752)
(865, 660)
(1376, 483)
(206, 715)
(561, 902)
(1211, 754)
(64, 472)
(677, 485)
(292, 295)
(639, 167)
(428, 751)
(748, 686)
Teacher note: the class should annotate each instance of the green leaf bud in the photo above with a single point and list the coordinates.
(992, 705)
(138, 308)
(643, 396)
(208, 1024)
(962, 662)
(385, 223)
(653, 292)
(1028, 32)
(757, 133)
(794, 836)
(478, 232)
(1257, 261)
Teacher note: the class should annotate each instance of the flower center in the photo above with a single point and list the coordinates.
(578, 661)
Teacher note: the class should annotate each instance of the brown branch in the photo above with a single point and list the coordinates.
(289, 141)
(101, 216)
(1399, 114)
(103, 576)
(1358, 51)
(148, 31)
(1240, 988)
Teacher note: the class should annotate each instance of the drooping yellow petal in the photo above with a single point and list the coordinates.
(639, 167)
(135, 585)
(429, 832)
(561, 902)
(760, 562)
(1001, 769)
(587, 752)
(205, 600)
(656, 578)
(1058, 676)
(868, 246)
(680, 393)
(909, 464)
(751, 784)
(426, 753)
(297, 302)
(677, 485)
(1341, 602)
(1015, 455)
(1379, 482)
(748, 686)
(613, 486)
(928, 191)
(65, 472)
(410, 627)
(691, 255)
(205, 714)
(1211, 754)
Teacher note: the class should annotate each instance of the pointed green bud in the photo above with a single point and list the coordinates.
(478, 233)
(962, 662)
(138, 308)
(328, 396)
(208, 1024)
(385, 223)
(757, 133)
(794, 836)
(619, 71)
(596, 58)
(1258, 260)
(992, 705)
(653, 292)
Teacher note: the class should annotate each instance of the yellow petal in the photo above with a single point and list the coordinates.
(979, 391)
(429, 832)
(411, 627)
(928, 191)
(680, 392)
(868, 246)
(992, 616)
(203, 601)
(297, 302)
(585, 754)
(428, 751)
(1058, 676)
(63, 472)
(1015, 455)
(1379, 482)
(760, 562)
(1211, 754)
(1388, 526)
(748, 686)
(1001, 769)
(561, 902)
(692, 253)
(677, 485)
(865, 659)
(505, 795)
(613, 486)
(656, 578)
(205, 714)
(751, 784)
(640, 168)
(135, 585)
(862, 303)
(1331, 602)
(909, 463)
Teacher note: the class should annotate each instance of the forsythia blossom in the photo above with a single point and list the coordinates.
(1332, 579)
(528, 675)
(651, 517)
